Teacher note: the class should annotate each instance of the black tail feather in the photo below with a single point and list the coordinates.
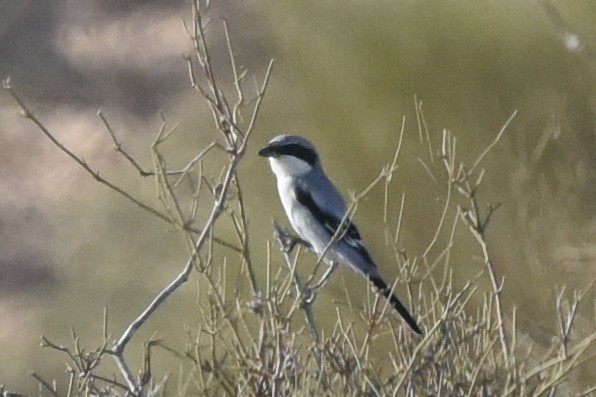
(397, 305)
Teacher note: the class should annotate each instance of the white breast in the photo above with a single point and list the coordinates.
(301, 219)
(287, 195)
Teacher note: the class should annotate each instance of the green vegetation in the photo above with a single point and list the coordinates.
(238, 317)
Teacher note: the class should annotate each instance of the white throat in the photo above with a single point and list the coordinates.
(284, 166)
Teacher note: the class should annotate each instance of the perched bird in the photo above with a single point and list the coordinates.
(315, 210)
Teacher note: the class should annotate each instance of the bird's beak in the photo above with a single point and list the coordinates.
(267, 151)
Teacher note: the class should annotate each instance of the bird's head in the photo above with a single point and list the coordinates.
(290, 155)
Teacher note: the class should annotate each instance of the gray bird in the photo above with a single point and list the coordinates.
(315, 210)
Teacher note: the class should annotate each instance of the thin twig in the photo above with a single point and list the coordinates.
(45, 384)
(95, 174)
(494, 142)
(301, 290)
(118, 145)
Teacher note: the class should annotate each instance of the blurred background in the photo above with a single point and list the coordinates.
(346, 75)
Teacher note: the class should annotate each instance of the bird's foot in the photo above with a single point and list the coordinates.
(325, 277)
(310, 293)
(287, 240)
(308, 296)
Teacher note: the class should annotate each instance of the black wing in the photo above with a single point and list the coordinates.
(349, 233)
(351, 236)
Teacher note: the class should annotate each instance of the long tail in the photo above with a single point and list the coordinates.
(384, 289)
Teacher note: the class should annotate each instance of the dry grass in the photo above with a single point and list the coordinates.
(258, 343)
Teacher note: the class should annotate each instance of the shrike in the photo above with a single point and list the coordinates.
(315, 210)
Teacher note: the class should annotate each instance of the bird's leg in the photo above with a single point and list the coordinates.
(288, 241)
(312, 291)
(325, 277)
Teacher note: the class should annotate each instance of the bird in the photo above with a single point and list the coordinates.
(316, 210)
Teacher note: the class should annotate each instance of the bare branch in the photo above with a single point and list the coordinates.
(118, 145)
